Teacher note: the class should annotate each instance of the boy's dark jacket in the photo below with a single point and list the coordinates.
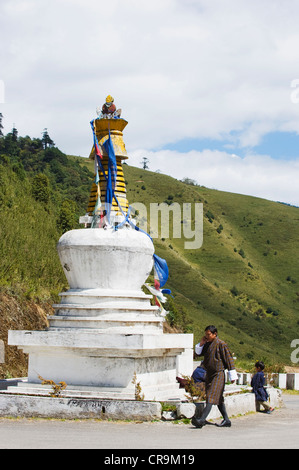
(257, 383)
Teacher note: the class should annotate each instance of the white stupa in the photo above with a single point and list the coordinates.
(105, 332)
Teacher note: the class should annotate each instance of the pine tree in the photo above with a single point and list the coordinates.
(14, 134)
(46, 140)
(144, 163)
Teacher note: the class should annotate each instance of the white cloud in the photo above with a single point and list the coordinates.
(255, 175)
(178, 69)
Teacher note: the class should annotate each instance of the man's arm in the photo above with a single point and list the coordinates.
(199, 346)
(198, 349)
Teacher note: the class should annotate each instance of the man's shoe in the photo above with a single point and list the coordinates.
(198, 423)
(224, 424)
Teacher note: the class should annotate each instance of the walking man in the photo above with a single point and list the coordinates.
(217, 358)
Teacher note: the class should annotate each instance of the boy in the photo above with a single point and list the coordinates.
(257, 383)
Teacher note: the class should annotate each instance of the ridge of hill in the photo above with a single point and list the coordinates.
(244, 278)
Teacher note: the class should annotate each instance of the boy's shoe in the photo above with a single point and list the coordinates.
(270, 411)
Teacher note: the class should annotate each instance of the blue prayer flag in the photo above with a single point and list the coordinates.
(111, 176)
(161, 269)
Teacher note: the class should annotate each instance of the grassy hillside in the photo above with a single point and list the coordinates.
(42, 194)
(244, 278)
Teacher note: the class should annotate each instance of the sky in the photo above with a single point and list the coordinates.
(210, 88)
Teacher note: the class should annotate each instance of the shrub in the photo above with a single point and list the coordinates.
(196, 391)
(210, 216)
(66, 218)
(41, 188)
(234, 291)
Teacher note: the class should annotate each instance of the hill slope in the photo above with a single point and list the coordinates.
(244, 278)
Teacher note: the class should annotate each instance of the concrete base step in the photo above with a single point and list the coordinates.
(161, 392)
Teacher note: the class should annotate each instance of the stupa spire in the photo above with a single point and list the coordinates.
(108, 193)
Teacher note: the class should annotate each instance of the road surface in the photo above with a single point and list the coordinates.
(277, 430)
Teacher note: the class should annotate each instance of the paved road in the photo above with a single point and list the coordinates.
(278, 430)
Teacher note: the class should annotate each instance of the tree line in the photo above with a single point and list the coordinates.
(53, 176)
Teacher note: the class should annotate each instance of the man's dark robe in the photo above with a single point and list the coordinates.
(217, 358)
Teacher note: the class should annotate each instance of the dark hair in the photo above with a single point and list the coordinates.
(260, 364)
(212, 329)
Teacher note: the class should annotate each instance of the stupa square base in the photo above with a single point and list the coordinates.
(109, 361)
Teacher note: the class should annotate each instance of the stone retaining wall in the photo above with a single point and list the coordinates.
(236, 404)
